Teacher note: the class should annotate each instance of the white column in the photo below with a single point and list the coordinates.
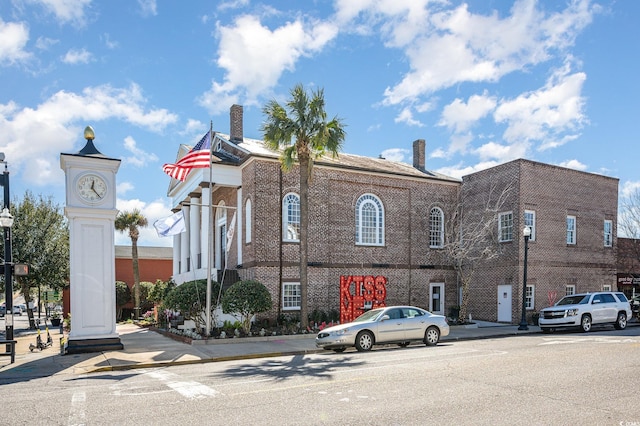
(205, 222)
(239, 223)
(176, 254)
(194, 231)
(184, 243)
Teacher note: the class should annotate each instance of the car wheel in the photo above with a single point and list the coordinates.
(431, 336)
(403, 344)
(364, 341)
(621, 322)
(585, 323)
(339, 350)
(546, 330)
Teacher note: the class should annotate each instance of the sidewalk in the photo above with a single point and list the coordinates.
(144, 348)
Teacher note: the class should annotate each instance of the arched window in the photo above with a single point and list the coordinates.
(436, 228)
(291, 217)
(247, 221)
(369, 221)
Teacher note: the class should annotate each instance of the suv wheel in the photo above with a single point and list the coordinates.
(585, 323)
(621, 322)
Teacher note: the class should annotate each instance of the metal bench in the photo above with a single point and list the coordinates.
(12, 352)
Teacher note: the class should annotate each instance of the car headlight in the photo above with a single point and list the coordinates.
(572, 312)
(341, 332)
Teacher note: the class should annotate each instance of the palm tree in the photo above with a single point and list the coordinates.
(302, 120)
(130, 221)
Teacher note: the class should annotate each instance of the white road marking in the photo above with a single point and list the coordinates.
(77, 412)
(188, 389)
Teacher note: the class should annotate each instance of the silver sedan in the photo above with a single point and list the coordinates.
(392, 324)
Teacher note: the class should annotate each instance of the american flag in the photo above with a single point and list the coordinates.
(198, 157)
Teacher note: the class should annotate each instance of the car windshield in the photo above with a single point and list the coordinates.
(578, 299)
(369, 315)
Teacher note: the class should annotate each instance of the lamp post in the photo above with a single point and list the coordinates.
(6, 221)
(523, 320)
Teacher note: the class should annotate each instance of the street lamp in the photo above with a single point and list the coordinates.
(526, 232)
(6, 221)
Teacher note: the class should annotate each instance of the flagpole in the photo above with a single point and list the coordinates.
(210, 236)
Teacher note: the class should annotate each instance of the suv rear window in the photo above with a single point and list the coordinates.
(621, 297)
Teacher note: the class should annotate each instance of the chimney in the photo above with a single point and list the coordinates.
(236, 123)
(418, 154)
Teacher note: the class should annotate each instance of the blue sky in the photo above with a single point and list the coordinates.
(483, 82)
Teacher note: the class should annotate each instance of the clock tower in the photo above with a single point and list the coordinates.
(90, 180)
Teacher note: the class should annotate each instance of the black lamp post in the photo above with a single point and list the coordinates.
(523, 321)
(6, 221)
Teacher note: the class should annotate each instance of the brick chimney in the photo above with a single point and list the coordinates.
(418, 154)
(236, 125)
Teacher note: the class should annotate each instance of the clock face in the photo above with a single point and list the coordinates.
(91, 188)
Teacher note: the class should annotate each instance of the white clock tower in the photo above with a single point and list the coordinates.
(90, 209)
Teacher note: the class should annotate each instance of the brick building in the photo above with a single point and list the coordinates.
(373, 220)
(628, 266)
(154, 263)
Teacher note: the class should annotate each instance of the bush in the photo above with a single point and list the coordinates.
(190, 299)
(244, 299)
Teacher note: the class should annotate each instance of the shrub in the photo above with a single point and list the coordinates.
(190, 299)
(244, 299)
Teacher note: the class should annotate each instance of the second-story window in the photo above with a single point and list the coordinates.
(571, 229)
(291, 217)
(369, 221)
(608, 233)
(505, 226)
(530, 221)
(436, 228)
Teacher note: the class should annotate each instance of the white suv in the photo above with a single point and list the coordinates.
(586, 309)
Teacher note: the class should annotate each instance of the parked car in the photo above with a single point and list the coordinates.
(585, 310)
(393, 324)
(17, 310)
(635, 305)
(3, 310)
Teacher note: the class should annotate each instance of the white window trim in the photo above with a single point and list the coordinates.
(247, 221)
(500, 216)
(377, 203)
(530, 299)
(608, 242)
(531, 225)
(606, 287)
(569, 289)
(285, 218)
(440, 231)
(289, 308)
(573, 230)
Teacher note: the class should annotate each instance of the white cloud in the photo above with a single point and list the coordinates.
(406, 117)
(44, 43)
(545, 113)
(13, 40)
(396, 154)
(254, 57)
(501, 153)
(66, 11)
(140, 158)
(460, 116)
(123, 187)
(573, 164)
(459, 170)
(148, 7)
(32, 138)
(452, 46)
(77, 56)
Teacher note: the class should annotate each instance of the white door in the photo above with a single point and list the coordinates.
(436, 298)
(504, 303)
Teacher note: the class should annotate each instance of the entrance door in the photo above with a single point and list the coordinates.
(436, 298)
(504, 303)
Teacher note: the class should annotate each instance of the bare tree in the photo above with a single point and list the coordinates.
(471, 232)
(629, 225)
